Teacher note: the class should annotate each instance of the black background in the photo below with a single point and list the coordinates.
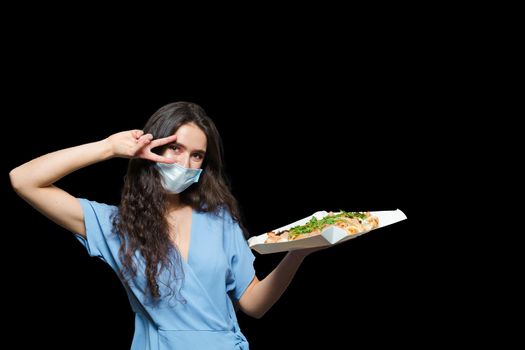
(301, 134)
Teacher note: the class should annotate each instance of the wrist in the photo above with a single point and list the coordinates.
(297, 255)
(107, 149)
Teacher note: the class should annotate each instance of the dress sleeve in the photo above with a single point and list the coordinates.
(100, 240)
(241, 262)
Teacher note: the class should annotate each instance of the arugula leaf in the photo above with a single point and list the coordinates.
(315, 224)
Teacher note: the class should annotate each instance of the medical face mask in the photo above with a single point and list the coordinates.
(176, 178)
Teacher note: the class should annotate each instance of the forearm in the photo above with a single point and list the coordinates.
(266, 293)
(47, 169)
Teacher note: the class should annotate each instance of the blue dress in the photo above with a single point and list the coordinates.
(219, 269)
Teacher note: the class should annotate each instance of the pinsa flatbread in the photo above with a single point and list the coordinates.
(351, 222)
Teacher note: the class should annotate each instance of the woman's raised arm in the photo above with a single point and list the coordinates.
(34, 180)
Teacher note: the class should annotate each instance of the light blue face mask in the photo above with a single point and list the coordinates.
(176, 178)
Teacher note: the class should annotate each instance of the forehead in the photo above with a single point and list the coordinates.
(191, 136)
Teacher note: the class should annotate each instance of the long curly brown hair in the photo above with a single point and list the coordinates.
(142, 223)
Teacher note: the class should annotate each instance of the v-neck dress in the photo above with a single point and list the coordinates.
(201, 314)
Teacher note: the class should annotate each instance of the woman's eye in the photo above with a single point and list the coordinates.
(198, 156)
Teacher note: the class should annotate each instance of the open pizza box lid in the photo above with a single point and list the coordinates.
(330, 236)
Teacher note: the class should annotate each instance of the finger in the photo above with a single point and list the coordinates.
(163, 141)
(158, 158)
(142, 143)
(145, 138)
(137, 133)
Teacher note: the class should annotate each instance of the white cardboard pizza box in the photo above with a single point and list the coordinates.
(330, 236)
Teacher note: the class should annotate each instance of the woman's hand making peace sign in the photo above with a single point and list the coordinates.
(136, 144)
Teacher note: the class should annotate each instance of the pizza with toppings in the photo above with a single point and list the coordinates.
(351, 222)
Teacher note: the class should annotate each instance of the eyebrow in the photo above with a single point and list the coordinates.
(201, 151)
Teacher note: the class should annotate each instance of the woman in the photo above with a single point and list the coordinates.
(176, 240)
